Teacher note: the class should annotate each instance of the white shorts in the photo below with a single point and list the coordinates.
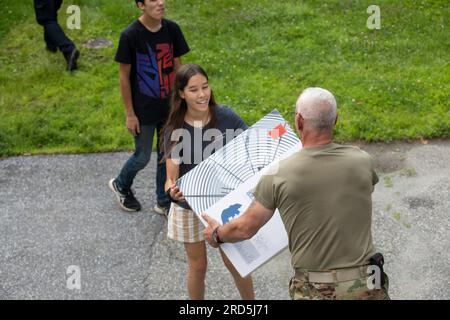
(183, 225)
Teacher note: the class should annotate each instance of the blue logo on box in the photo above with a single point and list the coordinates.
(230, 213)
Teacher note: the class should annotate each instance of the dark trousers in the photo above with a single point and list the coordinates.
(47, 16)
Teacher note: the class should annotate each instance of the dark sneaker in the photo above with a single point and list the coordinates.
(71, 59)
(162, 209)
(126, 198)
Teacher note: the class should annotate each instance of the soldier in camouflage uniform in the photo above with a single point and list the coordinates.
(324, 195)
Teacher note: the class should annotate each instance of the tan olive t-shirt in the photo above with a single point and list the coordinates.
(323, 195)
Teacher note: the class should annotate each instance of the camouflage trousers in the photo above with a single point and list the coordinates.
(301, 289)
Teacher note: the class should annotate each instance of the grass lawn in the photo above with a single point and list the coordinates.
(392, 83)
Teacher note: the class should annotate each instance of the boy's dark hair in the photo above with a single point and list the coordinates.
(137, 1)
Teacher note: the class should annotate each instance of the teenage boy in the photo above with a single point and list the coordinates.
(149, 54)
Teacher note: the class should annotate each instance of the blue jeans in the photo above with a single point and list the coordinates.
(143, 149)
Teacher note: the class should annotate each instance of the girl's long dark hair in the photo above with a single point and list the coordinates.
(178, 106)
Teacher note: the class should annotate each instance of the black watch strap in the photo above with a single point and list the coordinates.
(216, 235)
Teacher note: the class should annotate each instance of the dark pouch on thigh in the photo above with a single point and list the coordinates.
(378, 260)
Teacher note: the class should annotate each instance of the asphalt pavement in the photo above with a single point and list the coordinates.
(63, 236)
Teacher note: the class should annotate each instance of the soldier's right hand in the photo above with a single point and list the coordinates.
(132, 123)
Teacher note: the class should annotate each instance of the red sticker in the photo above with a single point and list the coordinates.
(277, 132)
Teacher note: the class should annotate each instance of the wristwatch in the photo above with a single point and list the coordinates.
(215, 236)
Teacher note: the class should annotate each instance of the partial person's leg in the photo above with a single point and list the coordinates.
(63, 42)
(162, 199)
(244, 285)
(46, 15)
(56, 35)
(143, 149)
(44, 11)
(197, 264)
(50, 46)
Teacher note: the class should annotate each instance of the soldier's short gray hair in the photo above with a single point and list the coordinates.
(318, 107)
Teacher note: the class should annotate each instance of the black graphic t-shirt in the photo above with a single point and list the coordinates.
(151, 57)
(190, 152)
